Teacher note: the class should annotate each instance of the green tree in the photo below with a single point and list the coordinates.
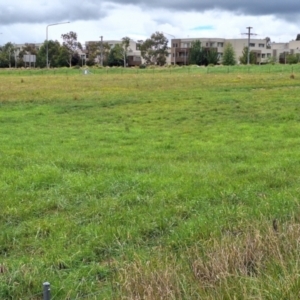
(125, 44)
(93, 50)
(30, 49)
(155, 49)
(116, 56)
(212, 56)
(197, 55)
(228, 55)
(7, 55)
(71, 45)
(63, 57)
(54, 48)
(244, 57)
(105, 51)
(293, 58)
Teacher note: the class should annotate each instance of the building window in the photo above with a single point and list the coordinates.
(138, 47)
(268, 54)
(263, 55)
(261, 45)
(220, 44)
(212, 44)
(175, 45)
(252, 45)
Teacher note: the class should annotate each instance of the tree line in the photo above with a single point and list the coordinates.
(67, 54)
(58, 55)
(154, 51)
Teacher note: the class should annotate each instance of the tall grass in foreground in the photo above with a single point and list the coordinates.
(261, 262)
(150, 186)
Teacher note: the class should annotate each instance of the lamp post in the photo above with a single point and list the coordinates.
(47, 64)
(171, 46)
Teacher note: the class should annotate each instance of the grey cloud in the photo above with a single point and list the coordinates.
(45, 11)
(255, 7)
(49, 11)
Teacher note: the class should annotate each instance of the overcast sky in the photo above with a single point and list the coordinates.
(24, 21)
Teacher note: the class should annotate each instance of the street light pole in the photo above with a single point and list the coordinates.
(47, 64)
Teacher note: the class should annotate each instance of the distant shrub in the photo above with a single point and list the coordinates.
(143, 66)
(98, 66)
(152, 67)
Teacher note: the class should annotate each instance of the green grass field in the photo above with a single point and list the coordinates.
(150, 184)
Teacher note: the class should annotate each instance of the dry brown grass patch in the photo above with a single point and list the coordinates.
(200, 270)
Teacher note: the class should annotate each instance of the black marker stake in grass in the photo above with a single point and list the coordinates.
(46, 291)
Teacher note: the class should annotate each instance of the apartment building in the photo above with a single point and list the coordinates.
(258, 46)
(180, 48)
(280, 51)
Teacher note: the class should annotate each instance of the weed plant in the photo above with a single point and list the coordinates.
(150, 184)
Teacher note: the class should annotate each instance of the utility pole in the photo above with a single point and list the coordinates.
(248, 52)
(101, 51)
